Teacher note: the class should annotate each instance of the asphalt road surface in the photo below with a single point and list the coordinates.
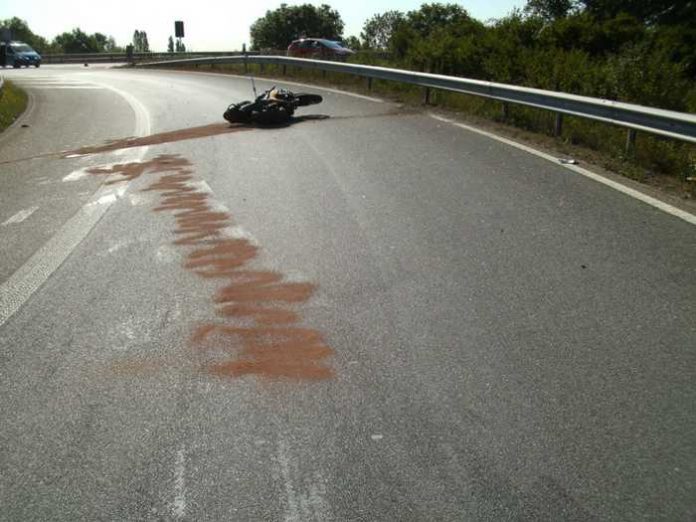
(370, 314)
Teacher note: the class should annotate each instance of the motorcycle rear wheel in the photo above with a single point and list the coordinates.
(304, 99)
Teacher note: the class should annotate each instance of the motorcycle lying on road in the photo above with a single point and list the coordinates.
(273, 107)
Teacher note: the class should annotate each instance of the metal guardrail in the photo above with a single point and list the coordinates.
(123, 57)
(677, 125)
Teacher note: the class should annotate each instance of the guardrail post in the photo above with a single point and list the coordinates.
(630, 142)
(285, 69)
(505, 111)
(262, 67)
(558, 124)
(369, 83)
(426, 96)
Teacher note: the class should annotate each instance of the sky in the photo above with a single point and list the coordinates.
(210, 25)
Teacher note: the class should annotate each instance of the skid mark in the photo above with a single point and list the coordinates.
(256, 333)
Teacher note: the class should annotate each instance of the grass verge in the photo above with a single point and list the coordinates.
(663, 163)
(13, 102)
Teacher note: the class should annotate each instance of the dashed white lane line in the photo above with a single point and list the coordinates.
(20, 216)
(179, 504)
(654, 202)
(31, 275)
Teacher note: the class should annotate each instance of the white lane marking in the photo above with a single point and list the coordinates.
(292, 513)
(654, 202)
(110, 196)
(76, 175)
(237, 232)
(179, 504)
(200, 186)
(309, 503)
(20, 216)
(377, 436)
(69, 87)
(31, 275)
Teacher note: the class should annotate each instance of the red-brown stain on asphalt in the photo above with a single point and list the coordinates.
(204, 131)
(296, 353)
(257, 336)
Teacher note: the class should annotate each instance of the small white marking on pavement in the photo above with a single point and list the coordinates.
(20, 216)
(76, 175)
(118, 245)
(291, 514)
(377, 436)
(110, 197)
(166, 254)
(310, 502)
(179, 504)
(200, 186)
(237, 232)
(654, 202)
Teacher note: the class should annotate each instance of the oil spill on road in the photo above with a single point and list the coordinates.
(258, 332)
(204, 131)
(192, 133)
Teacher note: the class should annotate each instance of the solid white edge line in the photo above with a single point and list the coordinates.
(654, 202)
(31, 275)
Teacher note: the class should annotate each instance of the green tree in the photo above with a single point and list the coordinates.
(20, 31)
(140, 43)
(170, 45)
(180, 47)
(378, 30)
(647, 11)
(277, 28)
(352, 42)
(550, 9)
(77, 41)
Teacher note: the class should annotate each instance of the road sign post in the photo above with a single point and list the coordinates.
(179, 33)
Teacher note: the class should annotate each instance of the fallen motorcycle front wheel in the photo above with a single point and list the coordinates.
(235, 114)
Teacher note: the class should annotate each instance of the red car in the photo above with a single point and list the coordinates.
(319, 48)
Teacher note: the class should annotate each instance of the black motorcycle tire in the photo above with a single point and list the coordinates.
(304, 99)
(236, 114)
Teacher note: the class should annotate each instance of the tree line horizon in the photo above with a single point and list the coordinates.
(640, 51)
